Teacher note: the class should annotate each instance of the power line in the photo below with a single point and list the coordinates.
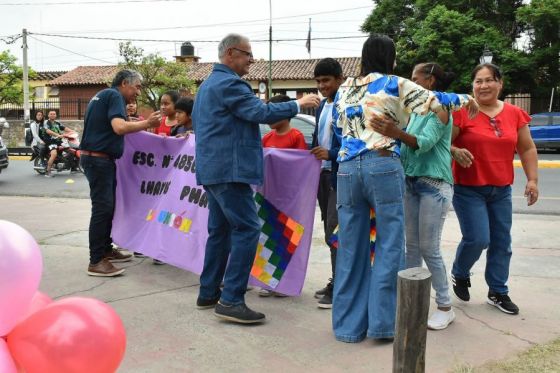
(223, 23)
(68, 50)
(88, 2)
(192, 41)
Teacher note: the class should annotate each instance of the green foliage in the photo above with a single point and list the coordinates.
(11, 77)
(455, 32)
(543, 20)
(159, 75)
(388, 17)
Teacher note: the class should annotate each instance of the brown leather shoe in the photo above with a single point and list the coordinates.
(117, 256)
(104, 269)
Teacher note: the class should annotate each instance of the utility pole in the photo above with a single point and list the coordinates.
(270, 51)
(26, 114)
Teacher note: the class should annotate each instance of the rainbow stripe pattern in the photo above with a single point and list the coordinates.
(333, 241)
(279, 239)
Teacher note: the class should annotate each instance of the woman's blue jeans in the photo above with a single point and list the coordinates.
(365, 295)
(485, 216)
(426, 204)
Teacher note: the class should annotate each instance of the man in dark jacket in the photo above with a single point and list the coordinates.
(229, 158)
(325, 147)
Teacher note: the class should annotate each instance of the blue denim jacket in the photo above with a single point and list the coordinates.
(226, 117)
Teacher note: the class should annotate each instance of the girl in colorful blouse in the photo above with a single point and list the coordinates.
(426, 159)
(371, 176)
(483, 152)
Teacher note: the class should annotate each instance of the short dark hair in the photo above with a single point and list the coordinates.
(130, 76)
(494, 69)
(328, 67)
(378, 55)
(185, 104)
(443, 78)
(280, 98)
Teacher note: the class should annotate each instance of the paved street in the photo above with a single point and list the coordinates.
(20, 180)
(167, 334)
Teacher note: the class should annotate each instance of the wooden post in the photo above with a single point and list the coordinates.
(413, 304)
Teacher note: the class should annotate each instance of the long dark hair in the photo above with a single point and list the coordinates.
(442, 78)
(42, 120)
(173, 95)
(378, 55)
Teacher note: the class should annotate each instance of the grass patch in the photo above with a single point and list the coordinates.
(538, 359)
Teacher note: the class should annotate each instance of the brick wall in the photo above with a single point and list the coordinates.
(15, 135)
(70, 94)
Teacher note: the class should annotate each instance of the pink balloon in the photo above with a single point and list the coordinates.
(7, 364)
(70, 335)
(20, 272)
(38, 302)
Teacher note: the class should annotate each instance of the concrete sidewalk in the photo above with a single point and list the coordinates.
(166, 333)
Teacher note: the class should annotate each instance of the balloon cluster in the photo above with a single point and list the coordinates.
(37, 334)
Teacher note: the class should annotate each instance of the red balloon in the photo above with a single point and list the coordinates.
(70, 335)
(38, 302)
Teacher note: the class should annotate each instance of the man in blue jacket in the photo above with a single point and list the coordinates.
(229, 159)
(325, 147)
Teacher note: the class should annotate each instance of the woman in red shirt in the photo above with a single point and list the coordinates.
(167, 109)
(483, 150)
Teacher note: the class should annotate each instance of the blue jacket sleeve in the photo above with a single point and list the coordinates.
(242, 102)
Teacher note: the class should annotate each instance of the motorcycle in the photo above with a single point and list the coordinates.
(67, 159)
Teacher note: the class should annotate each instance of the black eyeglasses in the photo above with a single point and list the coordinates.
(248, 54)
(496, 127)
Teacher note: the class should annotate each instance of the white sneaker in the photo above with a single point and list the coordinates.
(441, 319)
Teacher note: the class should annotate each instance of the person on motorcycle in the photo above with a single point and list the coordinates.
(38, 133)
(54, 134)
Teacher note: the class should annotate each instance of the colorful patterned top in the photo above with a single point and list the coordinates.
(359, 98)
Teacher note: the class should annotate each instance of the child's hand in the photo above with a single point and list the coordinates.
(320, 153)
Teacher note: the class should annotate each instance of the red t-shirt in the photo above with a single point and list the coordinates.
(493, 154)
(163, 128)
(293, 139)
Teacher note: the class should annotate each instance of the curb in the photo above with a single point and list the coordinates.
(20, 157)
(542, 164)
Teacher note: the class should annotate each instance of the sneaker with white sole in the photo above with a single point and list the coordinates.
(441, 319)
(503, 303)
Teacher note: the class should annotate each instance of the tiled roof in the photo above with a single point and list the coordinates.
(281, 70)
(86, 75)
(47, 75)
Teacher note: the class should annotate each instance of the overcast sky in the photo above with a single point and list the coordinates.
(183, 20)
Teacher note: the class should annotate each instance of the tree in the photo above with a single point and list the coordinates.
(11, 77)
(159, 75)
(543, 23)
(454, 33)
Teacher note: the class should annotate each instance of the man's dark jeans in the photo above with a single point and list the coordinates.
(102, 178)
(233, 233)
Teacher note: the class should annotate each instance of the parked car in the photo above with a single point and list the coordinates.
(303, 122)
(545, 130)
(4, 160)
